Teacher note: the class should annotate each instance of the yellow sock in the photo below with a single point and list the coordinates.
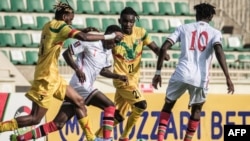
(8, 125)
(87, 128)
(99, 132)
(133, 118)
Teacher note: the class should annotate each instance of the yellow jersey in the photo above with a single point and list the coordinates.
(53, 35)
(127, 57)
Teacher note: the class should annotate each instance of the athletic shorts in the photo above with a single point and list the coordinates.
(86, 93)
(42, 91)
(125, 98)
(177, 88)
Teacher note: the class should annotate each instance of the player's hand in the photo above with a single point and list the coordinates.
(156, 80)
(123, 78)
(118, 36)
(230, 86)
(89, 29)
(167, 57)
(80, 75)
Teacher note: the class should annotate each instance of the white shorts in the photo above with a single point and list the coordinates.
(87, 94)
(177, 88)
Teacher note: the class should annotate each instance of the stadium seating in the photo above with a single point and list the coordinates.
(100, 7)
(115, 7)
(35, 38)
(149, 8)
(135, 5)
(41, 20)
(148, 58)
(145, 23)
(78, 22)
(48, 5)
(93, 22)
(235, 43)
(2, 25)
(6, 40)
(27, 22)
(173, 24)
(84, 7)
(159, 25)
(17, 57)
(4, 5)
(108, 21)
(181, 8)
(34, 6)
(23, 40)
(165, 8)
(157, 40)
(17, 6)
(12, 22)
(31, 57)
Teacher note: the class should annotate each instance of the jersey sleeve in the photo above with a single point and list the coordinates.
(146, 39)
(77, 47)
(217, 38)
(68, 32)
(175, 37)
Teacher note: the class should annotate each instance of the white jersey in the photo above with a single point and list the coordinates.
(91, 59)
(197, 41)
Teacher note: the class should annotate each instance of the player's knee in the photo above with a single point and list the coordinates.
(141, 104)
(118, 117)
(168, 106)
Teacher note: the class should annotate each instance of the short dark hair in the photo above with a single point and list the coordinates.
(129, 11)
(204, 11)
(62, 8)
(113, 28)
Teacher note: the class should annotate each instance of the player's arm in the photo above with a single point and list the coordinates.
(222, 61)
(162, 53)
(68, 57)
(94, 37)
(108, 74)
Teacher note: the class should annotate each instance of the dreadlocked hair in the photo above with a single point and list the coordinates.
(204, 11)
(129, 11)
(62, 8)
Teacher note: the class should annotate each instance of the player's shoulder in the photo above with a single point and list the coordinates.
(57, 25)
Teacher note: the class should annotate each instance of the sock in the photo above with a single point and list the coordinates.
(87, 128)
(108, 121)
(133, 118)
(10, 125)
(40, 131)
(99, 132)
(162, 127)
(192, 126)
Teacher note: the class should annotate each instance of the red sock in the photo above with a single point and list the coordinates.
(192, 126)
(108, 121)
(38, 132)
(164, 119)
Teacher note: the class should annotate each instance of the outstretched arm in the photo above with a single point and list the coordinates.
(94, 37)
(107, 73)
(222, 61)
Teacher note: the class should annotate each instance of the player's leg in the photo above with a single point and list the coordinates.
(65, 113)
(40, 105)
(197, 99)
(138, 106)
(98, 99)
(174, 91)
(120, 113)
